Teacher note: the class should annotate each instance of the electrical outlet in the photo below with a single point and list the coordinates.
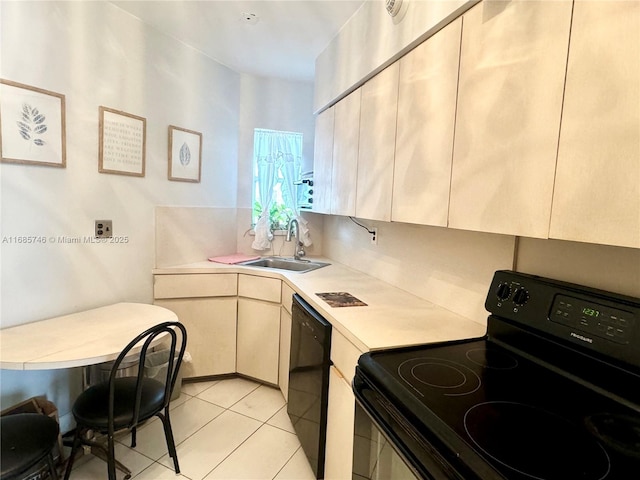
(104, 228)
(374, 236)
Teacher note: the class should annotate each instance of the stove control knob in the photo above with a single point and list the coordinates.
(521, 296)
(504, 291)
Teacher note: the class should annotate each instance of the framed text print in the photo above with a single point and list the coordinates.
(122, 143)
(32, 125)
(185, 155)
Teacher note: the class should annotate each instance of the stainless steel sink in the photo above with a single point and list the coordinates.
(290, 264)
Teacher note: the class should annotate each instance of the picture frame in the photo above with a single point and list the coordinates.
(32, 125)
(185, 155)
(122, 143)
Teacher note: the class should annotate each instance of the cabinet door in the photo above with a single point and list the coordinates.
(287, 296)
(338, 463)
(323, 161)
(346, 132)
(378, 111)
(512, 69)
(597, 191)
(426, 118)
(211, 333)
(258, 339)
(285, 350)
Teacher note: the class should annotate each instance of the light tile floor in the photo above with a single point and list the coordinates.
(226, 429)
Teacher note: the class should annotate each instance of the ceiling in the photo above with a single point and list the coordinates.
(274, 38)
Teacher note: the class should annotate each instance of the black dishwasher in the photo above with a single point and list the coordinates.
(309, 380)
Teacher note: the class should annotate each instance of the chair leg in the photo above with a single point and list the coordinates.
(133, 437)
(52, 468)
(74, 447)
(168, 433)
(111, 457)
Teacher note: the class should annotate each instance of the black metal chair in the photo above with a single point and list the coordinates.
(125, 402)
(27, 439)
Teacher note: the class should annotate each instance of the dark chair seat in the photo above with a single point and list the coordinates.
(92, 407)
(26, 439)
(125, 402)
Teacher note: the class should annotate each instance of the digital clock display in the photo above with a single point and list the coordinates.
(590, 312)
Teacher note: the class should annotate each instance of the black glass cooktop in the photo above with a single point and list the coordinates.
(488, 404)
(552, 392)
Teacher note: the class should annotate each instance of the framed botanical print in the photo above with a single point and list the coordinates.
(32, 125)
(185, 155)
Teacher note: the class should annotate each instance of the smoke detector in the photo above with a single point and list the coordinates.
(393, 7)
(249, 18)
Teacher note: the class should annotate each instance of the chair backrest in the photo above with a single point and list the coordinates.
(158, 335)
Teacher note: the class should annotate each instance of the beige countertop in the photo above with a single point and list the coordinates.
(391, 318)
(78, 339)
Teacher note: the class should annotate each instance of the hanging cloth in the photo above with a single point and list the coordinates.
(267, 164)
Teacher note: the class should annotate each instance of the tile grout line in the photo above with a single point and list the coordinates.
(224, 409)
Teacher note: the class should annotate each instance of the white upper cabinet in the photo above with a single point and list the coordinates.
(426, 119)
(512, 70)
(597, 190)
(346, 133)
(378, 111)
(323, 161)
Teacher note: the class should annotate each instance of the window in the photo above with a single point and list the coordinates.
(277, 160)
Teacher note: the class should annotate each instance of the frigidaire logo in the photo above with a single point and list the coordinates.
(582, 337)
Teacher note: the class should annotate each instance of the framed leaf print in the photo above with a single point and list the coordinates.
(122, 143)
(185, 155)
(32, 125)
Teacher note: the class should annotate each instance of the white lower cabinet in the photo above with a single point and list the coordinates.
(285, 338)
(285, 350)
(206, 305)
(338, 463)
(340, 417)
(258, 345)
(211, 333)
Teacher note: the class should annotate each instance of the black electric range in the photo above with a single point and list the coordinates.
(551, 392)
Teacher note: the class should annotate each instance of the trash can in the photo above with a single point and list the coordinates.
(100, 372)
(155, 366)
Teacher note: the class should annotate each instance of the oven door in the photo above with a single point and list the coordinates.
(386, 445)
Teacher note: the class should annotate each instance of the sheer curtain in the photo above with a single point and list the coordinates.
(290, 167)
(278, 155)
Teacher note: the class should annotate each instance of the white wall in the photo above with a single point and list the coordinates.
(95, 54)
(274, 104)
(615, 269)
(451, 268)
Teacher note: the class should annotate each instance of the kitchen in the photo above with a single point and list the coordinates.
(96, 54)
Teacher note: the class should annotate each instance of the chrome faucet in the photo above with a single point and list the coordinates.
(299, 247)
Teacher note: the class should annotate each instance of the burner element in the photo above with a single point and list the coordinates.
(492, 358)
(534, 442)
(437, 373)
(619, 432)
